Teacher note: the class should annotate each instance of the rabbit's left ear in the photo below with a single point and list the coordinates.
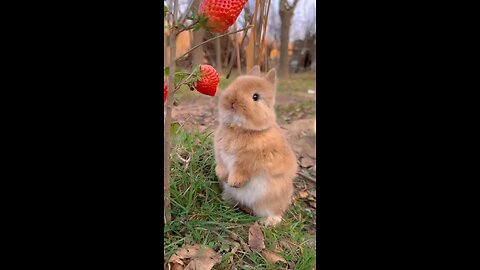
(255, 71)
(271, 75)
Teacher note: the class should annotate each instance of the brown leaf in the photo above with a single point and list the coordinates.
(272, 257)
(303, 194)
(285, 245)
(313, 204)
(175, 266)
(200, 258)
(255, 238)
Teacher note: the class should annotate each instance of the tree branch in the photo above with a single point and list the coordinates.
(186, 12)
(212, 39)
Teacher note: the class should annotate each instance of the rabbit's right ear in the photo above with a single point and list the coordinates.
(255, 71)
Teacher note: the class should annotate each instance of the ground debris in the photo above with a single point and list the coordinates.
(198, 257)
(255, 238)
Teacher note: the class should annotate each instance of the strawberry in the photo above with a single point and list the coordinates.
(208, 84)
(221, 14)
(165, 92)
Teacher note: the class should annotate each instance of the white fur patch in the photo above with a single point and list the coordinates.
(250, 193)
(228, 160)
(230, 118)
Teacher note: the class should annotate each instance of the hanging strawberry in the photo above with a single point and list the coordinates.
(221, 14)
(208, 84)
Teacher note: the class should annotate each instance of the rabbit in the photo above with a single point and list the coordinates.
(254, 162)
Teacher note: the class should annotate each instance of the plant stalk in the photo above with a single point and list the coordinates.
(168, 118)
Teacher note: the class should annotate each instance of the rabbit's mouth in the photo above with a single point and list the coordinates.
(231, 119)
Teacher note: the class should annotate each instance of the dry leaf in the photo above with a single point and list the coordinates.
(255, 238)
(272, 257)
(175, 259)
(176, 266)
(285, 245)
(313, 204)
(200, 258)
(303, 194)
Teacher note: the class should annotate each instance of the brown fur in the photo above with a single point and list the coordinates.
(248, 132)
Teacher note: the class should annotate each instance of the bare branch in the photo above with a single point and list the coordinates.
(212, 39)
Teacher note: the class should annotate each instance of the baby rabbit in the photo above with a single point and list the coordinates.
(255, 164)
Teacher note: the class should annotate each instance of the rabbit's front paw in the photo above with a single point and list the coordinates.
(235, 181)
(221, 172)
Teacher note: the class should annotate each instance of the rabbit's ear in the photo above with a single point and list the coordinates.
(271, 75)
(255, 71)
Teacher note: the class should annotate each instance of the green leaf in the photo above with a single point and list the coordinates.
(166, 71)
(165, 11)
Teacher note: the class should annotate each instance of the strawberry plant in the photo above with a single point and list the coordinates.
(213, 16)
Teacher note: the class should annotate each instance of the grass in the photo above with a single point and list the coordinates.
(286, 113)
(201, 216)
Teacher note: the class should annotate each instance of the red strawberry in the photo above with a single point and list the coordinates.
(221, 14)
(208, 84)
(165, 92)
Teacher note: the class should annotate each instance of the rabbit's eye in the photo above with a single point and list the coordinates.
(255, 97)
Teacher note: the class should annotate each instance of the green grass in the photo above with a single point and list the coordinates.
(297, 83)
(199, 215)
(286, 113)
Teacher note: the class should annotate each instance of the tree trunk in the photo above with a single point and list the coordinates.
(286, 14)
(284, 40)
(198, 55)
(218, 55)
(258, 30)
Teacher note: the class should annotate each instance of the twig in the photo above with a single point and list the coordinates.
(185, 161)
(190, 27)
(181, 83)
(233, 57)
(254, 33)
(212, 39)
(307, 177)
(264, 34)
(237, 50)
(186, 12)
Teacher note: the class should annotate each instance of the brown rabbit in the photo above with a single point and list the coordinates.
(255, 164)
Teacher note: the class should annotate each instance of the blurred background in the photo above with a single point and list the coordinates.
(289, 43)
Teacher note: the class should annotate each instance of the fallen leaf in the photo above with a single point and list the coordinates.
(175, 259)
(306, 162)
(255, 238)
(176, 266)
(303, 194)
(200, 258)
(272, 257)
(285, 245)
(313, 204)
